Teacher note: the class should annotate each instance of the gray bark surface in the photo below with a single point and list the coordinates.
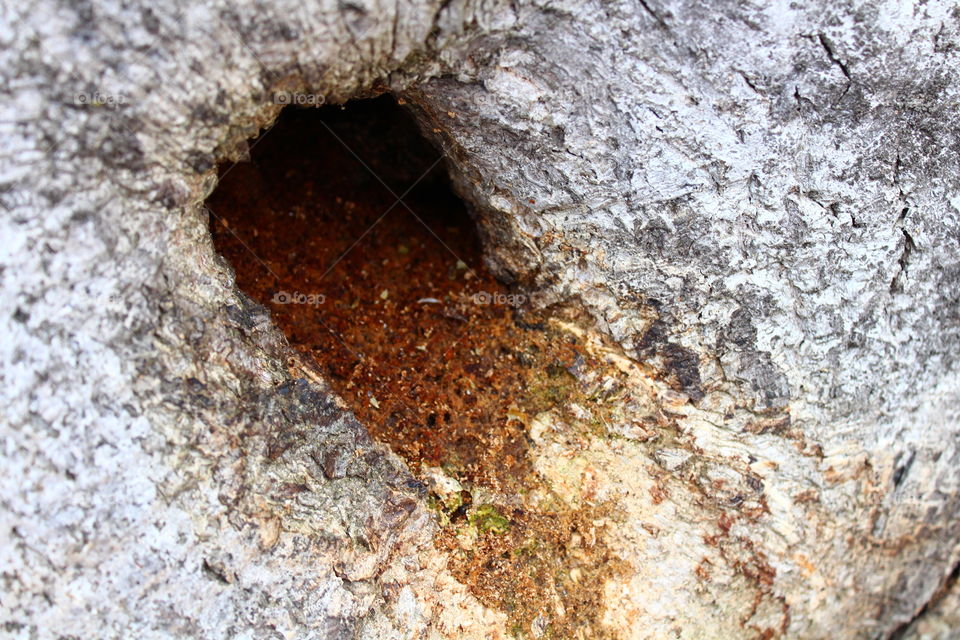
(761, 202)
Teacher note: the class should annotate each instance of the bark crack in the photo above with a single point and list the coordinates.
(835, 60)
(660, 21)
(833, 56)
(948, 584)
(749, 82)
(909, 246)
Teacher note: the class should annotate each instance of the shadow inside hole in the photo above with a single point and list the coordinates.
(389, 298)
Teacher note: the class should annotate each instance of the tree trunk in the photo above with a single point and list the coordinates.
(759, 207)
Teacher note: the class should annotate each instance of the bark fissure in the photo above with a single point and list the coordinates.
(828, 48)
(950, 582)
(653, 14)
(906, 253)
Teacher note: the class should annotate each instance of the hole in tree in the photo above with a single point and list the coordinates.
(344, 225)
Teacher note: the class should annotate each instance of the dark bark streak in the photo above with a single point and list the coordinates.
(833, 57)
(909, 246)
(749, 82)
(660, 21)
(949, 582)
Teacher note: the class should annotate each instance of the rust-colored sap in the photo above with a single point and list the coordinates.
(394, 306)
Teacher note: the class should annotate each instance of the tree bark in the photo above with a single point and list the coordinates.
(759, 205)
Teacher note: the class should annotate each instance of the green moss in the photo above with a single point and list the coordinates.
(437, 506)
(529, 548)
(445, 506)
(453, 501)
(486, 518)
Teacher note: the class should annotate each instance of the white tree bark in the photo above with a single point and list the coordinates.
(760, 202)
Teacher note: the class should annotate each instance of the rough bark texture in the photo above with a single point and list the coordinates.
(760, 203)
